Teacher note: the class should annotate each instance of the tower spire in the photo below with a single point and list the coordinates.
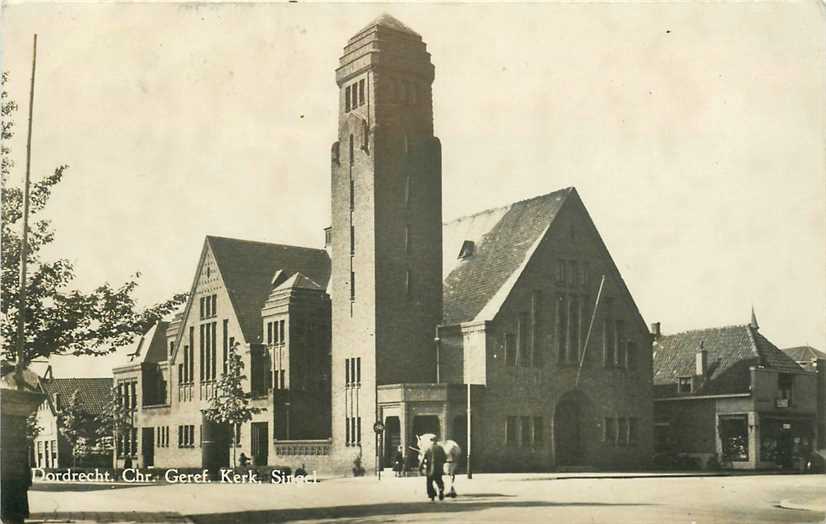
(753, 322)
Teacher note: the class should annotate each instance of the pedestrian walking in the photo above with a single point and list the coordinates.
(433, 464)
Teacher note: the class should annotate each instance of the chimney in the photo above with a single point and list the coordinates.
(701, 361)
(655, 329)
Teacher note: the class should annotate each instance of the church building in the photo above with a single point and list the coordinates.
(356, 348)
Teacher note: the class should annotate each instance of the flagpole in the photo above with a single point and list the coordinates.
(590, 327)
(24, 244)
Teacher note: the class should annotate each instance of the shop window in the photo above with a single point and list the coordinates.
(734, 437)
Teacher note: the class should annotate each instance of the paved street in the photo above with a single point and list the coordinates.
(487, 498)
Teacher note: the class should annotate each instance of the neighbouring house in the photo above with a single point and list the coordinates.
(51, 449)
(730, 394)
(814, 360)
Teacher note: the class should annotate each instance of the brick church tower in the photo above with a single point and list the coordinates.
(386, 238)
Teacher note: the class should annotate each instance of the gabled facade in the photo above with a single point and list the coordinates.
(519, 295)
(730, 395)
(235, 291)
(51, 449)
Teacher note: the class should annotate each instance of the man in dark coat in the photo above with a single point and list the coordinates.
(433, 464)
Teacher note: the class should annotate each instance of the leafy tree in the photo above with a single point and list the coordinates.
(114, 422)
(230, 404)
(75, 425)
(58, 319)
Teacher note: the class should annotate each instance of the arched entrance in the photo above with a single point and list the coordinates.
(570, 422)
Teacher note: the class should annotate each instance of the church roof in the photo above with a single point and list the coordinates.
(804, 353)
(503, 240)
(389, 22)
(731, 351)
(247, 269)
(93, 393)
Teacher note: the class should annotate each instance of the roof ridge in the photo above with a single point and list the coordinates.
(506, 206)
(261, 242)
(704, 330)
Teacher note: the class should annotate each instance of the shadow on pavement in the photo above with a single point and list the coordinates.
(378, 510)
(105, 516)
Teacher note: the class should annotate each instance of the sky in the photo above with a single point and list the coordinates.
(694, 134)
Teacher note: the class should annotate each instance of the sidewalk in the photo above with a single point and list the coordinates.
(88, 517)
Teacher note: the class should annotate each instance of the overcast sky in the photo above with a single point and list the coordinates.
(693, 132)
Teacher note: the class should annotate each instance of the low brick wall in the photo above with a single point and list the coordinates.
(312, 455)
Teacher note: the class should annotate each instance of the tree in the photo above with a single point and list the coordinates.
(58, 319)
(74, 424)
(230, 404)
(115, 422)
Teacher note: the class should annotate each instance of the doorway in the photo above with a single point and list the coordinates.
(259, 444)
(570, 442)
(392, 439)
(148, 446)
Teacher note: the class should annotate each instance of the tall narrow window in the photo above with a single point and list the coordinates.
(214, 305)
(538, 431)
(622, 431)
(352, 285)
(282, 333)
(352, 194)
(347, 378)
(347, 99)
(352, 159)
(361, 92)
(609, 435)
(225, 346)
(608, 339)
(408, 285)
(358, 370)
(269, 333)
(214, 338)
(526, 431)
(574, 329)
(407, 187)
(201, 340)
(523, 356)
(536, 328)
(407, 238)
(191, 371)
(619, 343)
(352, 240)
(355, 93)
(562, 329)
(365, 135)
(510, 431)
(510, 349)
(630, 354)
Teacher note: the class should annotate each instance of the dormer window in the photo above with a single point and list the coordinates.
(467, 249)
(684, 385)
